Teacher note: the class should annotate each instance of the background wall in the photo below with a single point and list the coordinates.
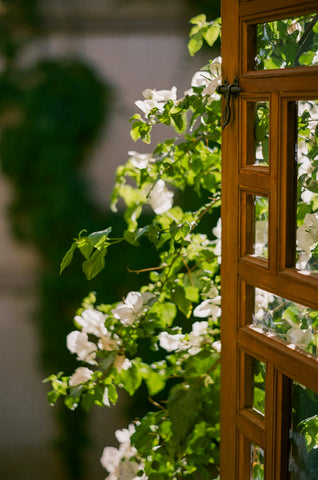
(133, 46)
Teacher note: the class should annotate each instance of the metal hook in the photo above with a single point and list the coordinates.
(227, 90)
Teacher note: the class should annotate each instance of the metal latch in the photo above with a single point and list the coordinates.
(227, 90)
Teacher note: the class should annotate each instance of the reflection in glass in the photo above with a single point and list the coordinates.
(257, 462)
(259, 114)
(303, 455)
(258, 386)
(294, 323)
(261, 227)
(287, 43)
(307, 186)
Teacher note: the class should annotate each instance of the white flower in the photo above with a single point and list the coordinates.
(307, 237)
(160, 198)
(261, 237)
(110, 459)
(217, 345)
(140, 160)
(105, 398)
(132, 308)
(208, 308)
(106, 342)
(118, 461)
(170, 342)
(123, 435)
(217, 232)
(81, 375)
(299, 337)
(77, 342)
(197, 336)
(262, 301)
(122, 363)
(92, 321)
(209, 79)
(155, 99)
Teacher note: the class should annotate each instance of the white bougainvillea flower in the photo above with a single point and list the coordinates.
(160, 198)
(171, 342)
(197, 336)
(118, 461)
(122, 363)
(106, 342)
(208, 308)
(217, 232)
(128, 469)
(155, 99)
(123, 435)
(210, 79)
(77, 342)
(133, 307)
(217, 345)
(105, 398)
(261, 237)
(307, 238)
(110, 459)
(92, 321)
(300, 338)
(81, 375)
(140, 160)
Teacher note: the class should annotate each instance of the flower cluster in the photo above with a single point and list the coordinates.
(122, 463)
(208, 78)
(92, 324)
(133, 307)
(155, 100)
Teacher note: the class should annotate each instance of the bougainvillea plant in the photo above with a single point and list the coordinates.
(177, 314)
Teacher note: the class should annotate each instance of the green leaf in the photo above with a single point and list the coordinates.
(155, 382)
(94, 264)
(112, 393)
(86, 250)
(135, 131)
(130, 237)
(199, 19)
(131, 378)
(68, 257)
(178, 119)
(195, 43)
(52, 397)
(211, 34)
(98, 238)
(179, 297)
(183, 407)
(163, 313)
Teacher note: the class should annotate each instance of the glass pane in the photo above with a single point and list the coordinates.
(307, 186)
(259, 386)
(261, 227)
(303, 455)
(257, 462)
(291, 322)
(258, 133)
(287, 43)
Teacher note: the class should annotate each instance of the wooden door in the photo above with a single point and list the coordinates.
(269, 401)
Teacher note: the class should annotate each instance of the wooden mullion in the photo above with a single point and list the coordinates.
(282, 414)
(291, 362)
(260, 12)
(288, 283)
(229, 213)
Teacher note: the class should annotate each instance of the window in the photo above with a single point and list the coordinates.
(269, 394)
